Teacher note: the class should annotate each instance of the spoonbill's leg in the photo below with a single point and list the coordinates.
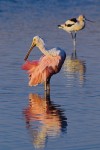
(47, 85)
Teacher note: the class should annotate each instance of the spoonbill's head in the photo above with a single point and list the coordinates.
(37, 41)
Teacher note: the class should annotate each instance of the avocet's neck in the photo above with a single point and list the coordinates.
(81, 19)
(82, 23)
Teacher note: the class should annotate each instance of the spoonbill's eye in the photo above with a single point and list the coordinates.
(34, 40)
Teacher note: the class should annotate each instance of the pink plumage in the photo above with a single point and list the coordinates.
(40, 70)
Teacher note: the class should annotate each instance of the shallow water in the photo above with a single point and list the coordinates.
(70, 117)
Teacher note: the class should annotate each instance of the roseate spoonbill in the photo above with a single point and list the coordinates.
(50, 63)
(73, 25)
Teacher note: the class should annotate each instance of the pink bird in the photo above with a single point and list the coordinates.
(40, 71)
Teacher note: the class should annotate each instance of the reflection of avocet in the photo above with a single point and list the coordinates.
(74, 67)
(43, 119)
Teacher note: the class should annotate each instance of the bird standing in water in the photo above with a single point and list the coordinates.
(40, 71)
(73, 25)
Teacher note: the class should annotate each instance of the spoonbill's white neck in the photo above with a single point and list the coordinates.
(41, 45)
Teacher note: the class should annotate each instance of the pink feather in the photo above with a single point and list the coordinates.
(40, 70)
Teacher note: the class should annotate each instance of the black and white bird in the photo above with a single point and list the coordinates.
(73, 25)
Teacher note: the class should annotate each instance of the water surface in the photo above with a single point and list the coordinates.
(70, 117)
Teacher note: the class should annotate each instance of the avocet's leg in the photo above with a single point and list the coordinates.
(74, 39)
(72, 35)
(74, 42)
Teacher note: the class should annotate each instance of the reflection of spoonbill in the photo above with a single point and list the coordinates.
(74, 25)
(44, 119)
(50, 63)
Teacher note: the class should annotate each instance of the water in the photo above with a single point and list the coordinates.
(69, 118)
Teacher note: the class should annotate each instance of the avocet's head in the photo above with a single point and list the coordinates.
(83, 18)
(37, 41)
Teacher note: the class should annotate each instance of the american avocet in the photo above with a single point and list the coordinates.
(73, 25)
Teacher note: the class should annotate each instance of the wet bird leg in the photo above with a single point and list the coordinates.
(74, 41)
(47, 86)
